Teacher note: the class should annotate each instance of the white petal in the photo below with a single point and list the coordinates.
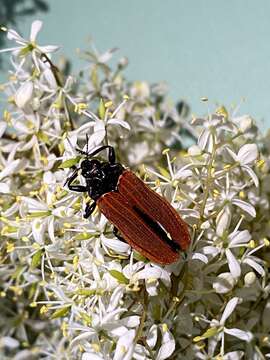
(223, 283)
(231, 305)
(233, 355)
(107, 55)
(35, 28)
(91, 356)
(86, 335)
(201, 257)
(48, 48)
(3, 126)
(210, 250)
(183, 173)
(252, 174)
(34, 205)
(247, 154)
(245, 206)
(234, 266)
(223, 220)
(167, 346)
(233, 155)
(9, 342)
(99, 134)
(116, 245)
(115, 298)
(149, 273)
(152, 336)
(130, 321)
(51, 228)
(23, 94)
(239, 237)
(50, 78)
(12, 167)
(240, 334)
(254, 265)
(38, 230)
(4, 188)
(203, 139)
(13, 35)
(125, 346)
(119, 122)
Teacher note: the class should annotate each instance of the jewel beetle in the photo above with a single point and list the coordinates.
(144, 219)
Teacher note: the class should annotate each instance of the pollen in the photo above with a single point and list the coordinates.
(164, 327)
(36, 246)
(80, 107)
(242, 194)
(216, 192)
(10, 247)
(67, 225)
(108, 104)
(260, 163)
(64, 328)
(7, 116)
(252, 244)
(44, 309)
(266, 242)
(16, 289)
(165, 151)
(75, 260)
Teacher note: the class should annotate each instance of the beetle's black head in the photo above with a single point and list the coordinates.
(90, 167)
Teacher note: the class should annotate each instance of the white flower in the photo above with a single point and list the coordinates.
(167, 343)
(24, 94)
(125, 346)
(29, 45)
(224, 283)
(246, 156)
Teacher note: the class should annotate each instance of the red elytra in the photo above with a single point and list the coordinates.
(141, 215)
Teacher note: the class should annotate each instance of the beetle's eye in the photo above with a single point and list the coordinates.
(86, 164)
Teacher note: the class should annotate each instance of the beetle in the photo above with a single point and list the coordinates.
(145, 219)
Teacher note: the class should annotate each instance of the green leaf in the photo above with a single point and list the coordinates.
(119, 276)
(60, 312)
(86, 292)
(70, 162)
(101, 109)
(139, 257)
(86, 318)
(36, 259)
(36, 214)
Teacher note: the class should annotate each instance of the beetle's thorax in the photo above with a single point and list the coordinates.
(102, 178)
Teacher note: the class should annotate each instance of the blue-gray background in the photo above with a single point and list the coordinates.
(217, 49)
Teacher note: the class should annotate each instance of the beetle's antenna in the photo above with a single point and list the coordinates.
(82, 152)
(87, 140)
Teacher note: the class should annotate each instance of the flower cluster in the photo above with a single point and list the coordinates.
(69, 289)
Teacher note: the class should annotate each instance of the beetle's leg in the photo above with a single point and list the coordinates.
(89, 209)
(78, 188)
(116, 233)
(111, 156)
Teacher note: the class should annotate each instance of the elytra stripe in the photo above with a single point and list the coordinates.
(134, 230)
(155, 206)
